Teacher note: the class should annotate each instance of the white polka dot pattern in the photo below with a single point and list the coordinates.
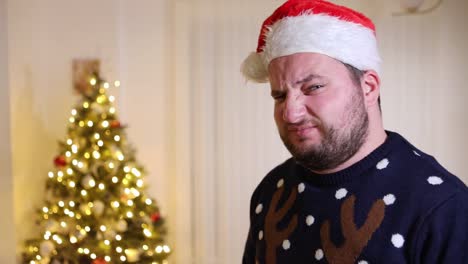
(319, 254)
(382, 164)
(310, 220)
(398, 240)
(280, 183)
(301, 187)
(434, 180)
(286, 244)
(389, 199)
(259, 208)
(341, 193)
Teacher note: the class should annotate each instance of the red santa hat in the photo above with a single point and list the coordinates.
(314, 26)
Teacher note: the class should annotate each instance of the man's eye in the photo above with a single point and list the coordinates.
(314, 87)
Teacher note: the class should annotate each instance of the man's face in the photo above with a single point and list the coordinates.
(319, 110)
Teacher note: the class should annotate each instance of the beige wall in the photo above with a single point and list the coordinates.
(7, 228)
(205, 136)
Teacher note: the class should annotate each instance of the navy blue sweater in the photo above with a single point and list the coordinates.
(397, 205)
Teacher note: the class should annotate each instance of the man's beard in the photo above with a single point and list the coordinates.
(338, 144)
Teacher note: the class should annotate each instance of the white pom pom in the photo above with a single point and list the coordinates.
(254, 69)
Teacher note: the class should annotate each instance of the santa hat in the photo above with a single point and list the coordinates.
(314, 26)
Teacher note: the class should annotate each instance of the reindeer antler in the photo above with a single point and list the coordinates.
(274, 237)
(355, 239)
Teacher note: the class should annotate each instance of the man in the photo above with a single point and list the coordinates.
(352, 192)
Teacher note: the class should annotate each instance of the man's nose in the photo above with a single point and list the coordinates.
(294, 110)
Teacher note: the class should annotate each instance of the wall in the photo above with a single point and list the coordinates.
(7, 228)
(424, 84)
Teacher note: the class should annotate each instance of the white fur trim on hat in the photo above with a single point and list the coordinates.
(345, 41)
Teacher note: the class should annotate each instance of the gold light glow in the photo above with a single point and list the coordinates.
(147, 232)
(96, 154)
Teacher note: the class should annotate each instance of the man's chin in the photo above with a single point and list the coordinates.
(301, 149)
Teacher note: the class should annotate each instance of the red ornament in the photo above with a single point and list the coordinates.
(115, 124)
(60, 161)
(99, 261)
(155, 217)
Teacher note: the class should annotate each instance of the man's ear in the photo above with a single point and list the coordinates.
(370, 83)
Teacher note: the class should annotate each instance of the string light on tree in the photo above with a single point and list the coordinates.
(96, 209)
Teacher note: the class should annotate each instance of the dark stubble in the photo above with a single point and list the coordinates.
(338, 144)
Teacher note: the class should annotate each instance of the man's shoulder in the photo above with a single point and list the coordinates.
(285, 170)
(422, 177)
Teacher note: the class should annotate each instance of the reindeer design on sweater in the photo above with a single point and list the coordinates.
(355, 238)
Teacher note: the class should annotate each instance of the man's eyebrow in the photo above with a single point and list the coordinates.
(276, 93)
(308, 78)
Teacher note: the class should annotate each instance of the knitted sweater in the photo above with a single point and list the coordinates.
(397, 205)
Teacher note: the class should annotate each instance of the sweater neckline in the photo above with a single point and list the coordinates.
(355, 171)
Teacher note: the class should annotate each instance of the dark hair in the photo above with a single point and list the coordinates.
(356, 76)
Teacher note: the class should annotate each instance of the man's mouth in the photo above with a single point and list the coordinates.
(301, 130)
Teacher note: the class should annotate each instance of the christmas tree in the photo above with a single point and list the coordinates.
(96, 209)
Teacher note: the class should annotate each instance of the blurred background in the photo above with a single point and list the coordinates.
(205, 135)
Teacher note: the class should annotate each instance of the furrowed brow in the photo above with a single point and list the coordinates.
(308, 78)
